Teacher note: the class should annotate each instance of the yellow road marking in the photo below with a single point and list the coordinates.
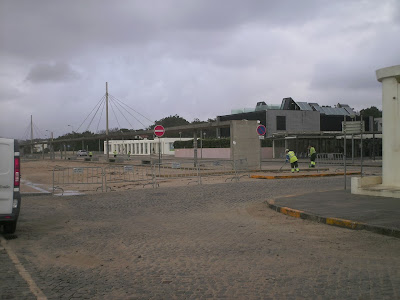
(22, 271)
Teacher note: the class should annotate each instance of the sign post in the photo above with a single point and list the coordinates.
(355, 127)
(159, 131)
(261, 131)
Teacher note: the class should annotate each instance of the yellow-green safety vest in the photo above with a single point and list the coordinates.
(312, 150)
(292, 157)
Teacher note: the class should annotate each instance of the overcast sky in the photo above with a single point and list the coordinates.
(194, 58)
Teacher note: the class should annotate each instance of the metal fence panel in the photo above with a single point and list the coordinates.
(71, 176)
(176, 170)
(128, 174)
(330, 158)
(236, 168)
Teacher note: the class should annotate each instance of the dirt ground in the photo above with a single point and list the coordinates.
(213, 241)
(37, 176)
(70, 177)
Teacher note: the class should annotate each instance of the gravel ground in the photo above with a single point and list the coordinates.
(198, 242)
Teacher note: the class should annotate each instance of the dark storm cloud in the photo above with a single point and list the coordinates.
(196, 58)
(356, 68)
(42, 28)
(58, 72)
(333, 75)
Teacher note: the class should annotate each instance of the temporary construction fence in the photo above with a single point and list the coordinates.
(330, 158)
(77, 176)
(116, 176)
(232, 169)
(216, 168)
(176, 170)
(127, 174)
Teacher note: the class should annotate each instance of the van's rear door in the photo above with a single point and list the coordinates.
(6, 175)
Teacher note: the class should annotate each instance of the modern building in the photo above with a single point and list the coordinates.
(295, 117)
(296, 125)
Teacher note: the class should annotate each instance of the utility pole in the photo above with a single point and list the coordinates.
(31, 135)
(344, 152)
(108, 150)
(51, 147)
(195, 148)
(361, 143)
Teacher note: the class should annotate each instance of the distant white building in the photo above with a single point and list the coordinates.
(378, 121)
(39, 147)
(143, 147)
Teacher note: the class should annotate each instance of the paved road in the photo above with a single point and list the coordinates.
(196, 242)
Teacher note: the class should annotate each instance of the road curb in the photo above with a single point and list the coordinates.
(349, 224)
(35, 194)
(302, 175)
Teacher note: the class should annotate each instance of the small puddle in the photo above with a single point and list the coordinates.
(69, 193)
(34, 186)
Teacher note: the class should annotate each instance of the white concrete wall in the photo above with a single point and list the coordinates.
(390, 78)
(142, 147)
(245, 142)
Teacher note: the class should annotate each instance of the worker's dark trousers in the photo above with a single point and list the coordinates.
(295, 166)
(312, 160)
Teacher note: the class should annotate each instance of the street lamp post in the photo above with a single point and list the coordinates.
(73, 132)
(202, 136)
(51, 145)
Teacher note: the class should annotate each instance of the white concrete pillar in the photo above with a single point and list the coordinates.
(390, 78)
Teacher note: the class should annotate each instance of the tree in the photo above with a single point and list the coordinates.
(170, 121)
(371, 111)
(197, 121)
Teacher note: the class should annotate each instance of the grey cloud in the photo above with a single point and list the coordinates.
(8, 93)
(58, 72)
(345, 75)
(195, 58)
(61, 28)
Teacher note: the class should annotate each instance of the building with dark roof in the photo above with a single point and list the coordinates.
(295, 125)
(295, 117)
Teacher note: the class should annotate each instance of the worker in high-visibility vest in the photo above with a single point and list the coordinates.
(291, 157)
(312, 154)
(90, 154)
(115, 153)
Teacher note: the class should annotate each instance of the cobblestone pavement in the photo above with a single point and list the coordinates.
(195, 242)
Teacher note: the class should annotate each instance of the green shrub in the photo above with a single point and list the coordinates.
(207, 143)
(213, 143)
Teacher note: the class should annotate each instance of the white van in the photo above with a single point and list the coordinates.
(10, 197)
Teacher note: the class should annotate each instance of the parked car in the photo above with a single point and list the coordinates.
(82, 153)
(10, 197)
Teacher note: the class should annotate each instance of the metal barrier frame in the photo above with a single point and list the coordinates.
(330, 158)
(188, 172)
(68, 177)
(128, 175)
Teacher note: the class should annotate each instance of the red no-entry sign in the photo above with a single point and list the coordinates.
(159, 130)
